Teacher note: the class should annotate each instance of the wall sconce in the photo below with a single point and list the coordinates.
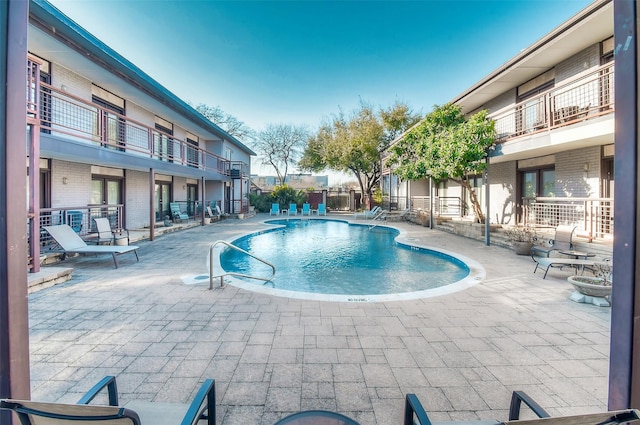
(586, 167)
(64, 88)
(65, 180)
(184, 186)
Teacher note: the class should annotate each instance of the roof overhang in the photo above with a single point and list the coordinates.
(591, 25)
(52, 34)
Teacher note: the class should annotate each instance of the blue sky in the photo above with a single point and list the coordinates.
(299, 61)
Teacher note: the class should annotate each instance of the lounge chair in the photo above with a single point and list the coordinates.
(414, 414)
(561, 241)
(293, 209)
(202, 408)
(275, 209)
(213, 215)
(108, 235)
(367, 214)
(176, 214)
(548, 262)
(71, 243)
(322, 209)
(306, 209)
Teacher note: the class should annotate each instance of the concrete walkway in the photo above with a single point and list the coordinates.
(461, 353)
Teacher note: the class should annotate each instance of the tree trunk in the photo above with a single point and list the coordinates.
(475, 204)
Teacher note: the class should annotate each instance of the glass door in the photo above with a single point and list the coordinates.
(192, 197)
(162, 197)
(107, 191)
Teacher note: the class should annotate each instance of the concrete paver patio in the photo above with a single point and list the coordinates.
(461, 353)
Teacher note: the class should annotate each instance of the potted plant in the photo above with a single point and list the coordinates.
(599, 285)
(522, 238)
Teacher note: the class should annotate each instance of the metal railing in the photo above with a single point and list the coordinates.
(228, 245)
(61, 113)
(449, 206)
(592, 216)
(80, 219)
(585, 97)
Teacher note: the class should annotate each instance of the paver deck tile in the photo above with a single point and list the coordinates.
(461, 353)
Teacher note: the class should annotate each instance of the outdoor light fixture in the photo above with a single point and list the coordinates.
(65, 180)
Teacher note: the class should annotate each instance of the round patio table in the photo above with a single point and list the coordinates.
(316, 417)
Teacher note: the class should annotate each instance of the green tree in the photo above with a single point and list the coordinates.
(446, 145)
(356, 143)
(280, 146)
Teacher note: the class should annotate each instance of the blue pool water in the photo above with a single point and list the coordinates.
(334, 257)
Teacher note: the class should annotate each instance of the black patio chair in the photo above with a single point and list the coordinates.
(414, 414)
(202, 408)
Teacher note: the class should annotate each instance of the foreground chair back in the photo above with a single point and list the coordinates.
(322, 209)
(293, 209)
(275, 209)
(414, 414)
(35, 413)
(306, 209)
(202, 408)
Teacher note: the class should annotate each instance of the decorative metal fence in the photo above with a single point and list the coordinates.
(592, 216)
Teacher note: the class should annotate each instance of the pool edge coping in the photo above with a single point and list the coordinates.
(477, 273)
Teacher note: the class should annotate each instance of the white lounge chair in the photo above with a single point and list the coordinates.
(71, 243)
(548, 262)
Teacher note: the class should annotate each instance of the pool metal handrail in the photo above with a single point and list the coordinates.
(381, 215)
(211, 276)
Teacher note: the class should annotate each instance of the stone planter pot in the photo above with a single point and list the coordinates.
(522, 248)
(207, 220)
(588, 285)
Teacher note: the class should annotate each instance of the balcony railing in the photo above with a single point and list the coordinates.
(449, 206)
(61, 113)
(592, 216)
(80, 219)
(586, 97)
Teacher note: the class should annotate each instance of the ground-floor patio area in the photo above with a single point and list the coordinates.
(462, 353)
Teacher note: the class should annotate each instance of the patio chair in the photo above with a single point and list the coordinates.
(71, 243)
(106, 234)
(202, 408)
(548, 262)
(322, 209)
(213, 215)
(306, 209)
(176, 214)
(414, 414)
(275, 209)
(74, 220)
(561, 241)
(293, 209)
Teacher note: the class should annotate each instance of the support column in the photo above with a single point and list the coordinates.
(487, 220)
(14, 322)
(202, 199)
(624, 358)
(152, 205)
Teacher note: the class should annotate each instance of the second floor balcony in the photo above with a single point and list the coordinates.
(585, 97)
(65, 116)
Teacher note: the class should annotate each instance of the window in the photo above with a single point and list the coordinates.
(114, 127)
(531, 115)
(162, 140)
(192, 151)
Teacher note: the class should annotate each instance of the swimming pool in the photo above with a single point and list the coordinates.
(332, 259)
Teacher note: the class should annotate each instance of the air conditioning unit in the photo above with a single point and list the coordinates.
(235, 174)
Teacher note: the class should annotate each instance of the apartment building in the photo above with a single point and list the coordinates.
(553, 106)
(108, 140)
